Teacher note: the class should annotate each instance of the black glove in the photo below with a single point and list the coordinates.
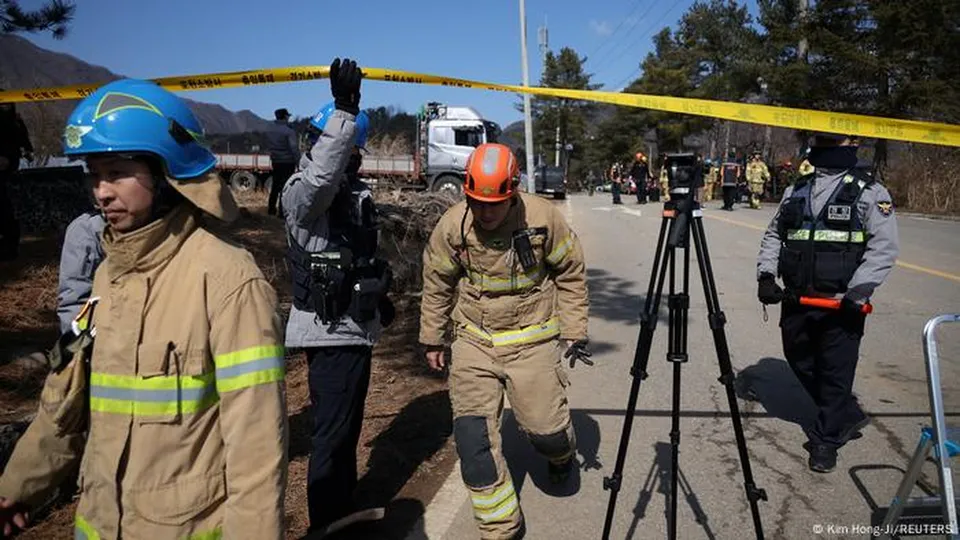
(578, 351)
(852, 316)
(345, 85)
(768, 291)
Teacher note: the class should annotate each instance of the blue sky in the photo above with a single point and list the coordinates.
(474, 40)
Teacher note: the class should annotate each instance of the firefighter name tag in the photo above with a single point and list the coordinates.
(838, 212)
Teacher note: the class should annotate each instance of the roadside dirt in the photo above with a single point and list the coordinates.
(405, 451)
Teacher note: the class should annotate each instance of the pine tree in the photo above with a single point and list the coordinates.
(55, 16)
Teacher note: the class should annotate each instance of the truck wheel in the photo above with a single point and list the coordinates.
(268, 184)
(448, 184)
(560, 196)
(243, 181)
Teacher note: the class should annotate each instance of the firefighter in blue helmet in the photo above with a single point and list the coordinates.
(834, 236)
(339, 293)
(172, 406)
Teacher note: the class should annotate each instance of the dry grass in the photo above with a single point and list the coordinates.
(407, 220)
(925, 180)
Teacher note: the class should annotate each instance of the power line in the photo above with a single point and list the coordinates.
(649, 29)
(632, 26)
(610, 37)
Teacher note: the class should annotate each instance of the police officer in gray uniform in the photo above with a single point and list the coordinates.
(834, 236)
(80, 256)
(339, 292)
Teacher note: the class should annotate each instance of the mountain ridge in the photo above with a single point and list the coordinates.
(26, 65)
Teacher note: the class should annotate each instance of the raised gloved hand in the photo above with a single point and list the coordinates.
(345, 85)
(578, 351)
(768, 292)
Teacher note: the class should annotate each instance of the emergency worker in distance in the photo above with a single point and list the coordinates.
(508, 270)
(174, 398)
(757, 175)
(834, 236)
(339, 293)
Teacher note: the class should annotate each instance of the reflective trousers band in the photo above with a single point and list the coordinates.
(530, 334)
(826, 235)
(560, 251)
(83, 531)
(497, 506)
(154, 396)
(249, 367)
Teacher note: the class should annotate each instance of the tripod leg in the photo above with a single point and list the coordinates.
(648, 323)
(677, 355)
(717, 320)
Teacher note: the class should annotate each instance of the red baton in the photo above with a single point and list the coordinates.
(829, 303)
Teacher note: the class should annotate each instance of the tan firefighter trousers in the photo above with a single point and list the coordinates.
(535, 384)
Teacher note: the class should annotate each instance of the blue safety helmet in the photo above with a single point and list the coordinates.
(319, 121)
(139, 117)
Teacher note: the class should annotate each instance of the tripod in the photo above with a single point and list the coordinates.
(679, 213)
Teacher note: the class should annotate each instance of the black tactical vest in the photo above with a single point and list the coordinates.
(346, 277)
(821, 253)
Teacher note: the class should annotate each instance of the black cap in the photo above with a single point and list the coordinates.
(281, 114)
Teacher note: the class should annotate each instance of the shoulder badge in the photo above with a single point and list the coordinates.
(885, 207)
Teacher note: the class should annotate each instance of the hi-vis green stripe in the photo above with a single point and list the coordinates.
(249, 367)
(827, 235)
(83, 531)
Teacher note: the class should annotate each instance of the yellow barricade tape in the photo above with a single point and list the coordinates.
(862, 125)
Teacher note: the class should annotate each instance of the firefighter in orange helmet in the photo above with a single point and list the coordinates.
(508, 270)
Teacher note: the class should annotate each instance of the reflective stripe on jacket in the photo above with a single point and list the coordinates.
(186, 433)
(497, 301)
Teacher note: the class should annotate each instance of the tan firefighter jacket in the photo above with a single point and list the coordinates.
(497, 301)
(186, 432)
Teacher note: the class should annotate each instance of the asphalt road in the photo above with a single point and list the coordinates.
(620, 242)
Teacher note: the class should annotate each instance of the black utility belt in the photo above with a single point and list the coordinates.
(341, 285)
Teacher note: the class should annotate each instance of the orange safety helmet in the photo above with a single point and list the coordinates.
(492, 173)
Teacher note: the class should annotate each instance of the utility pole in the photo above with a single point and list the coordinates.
(543, 40)
(803, 45)
(527, 120)
(557, 142)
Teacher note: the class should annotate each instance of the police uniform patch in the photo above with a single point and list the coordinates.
(838, 212)
(886, 207)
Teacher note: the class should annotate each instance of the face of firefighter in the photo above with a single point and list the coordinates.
(124, 190)
(489, 215)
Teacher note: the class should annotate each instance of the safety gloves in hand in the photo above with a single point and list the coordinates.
(345, 85)
(767, 289)
(578, 351)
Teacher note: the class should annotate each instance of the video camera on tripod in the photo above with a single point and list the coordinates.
(683, 173)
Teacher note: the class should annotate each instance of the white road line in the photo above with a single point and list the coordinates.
(443, 509)
(602, 208)
(568, 209)
(632, 212)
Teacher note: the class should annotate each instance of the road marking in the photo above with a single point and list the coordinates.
(568, 209)
(632, 212)
(602, 208)
(902, 264)
(443, 509)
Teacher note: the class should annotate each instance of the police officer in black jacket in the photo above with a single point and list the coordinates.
(835, 237)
